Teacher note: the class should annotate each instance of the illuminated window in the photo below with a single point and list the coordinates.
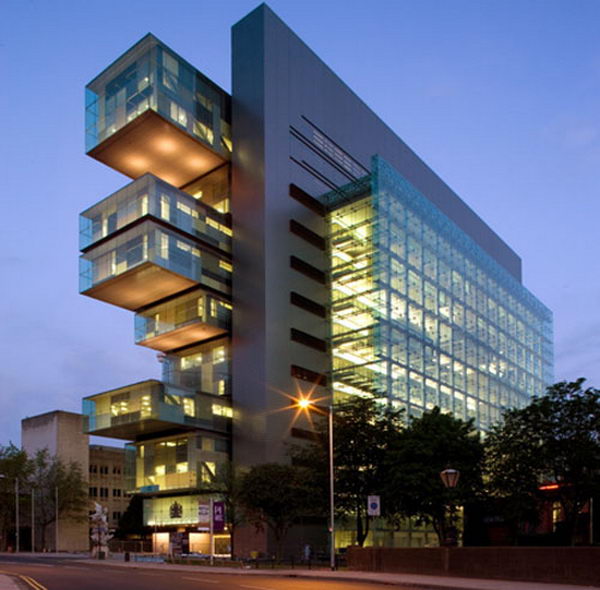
(209, 468)
(225, 266)
(219, 410)
(165, 209)
(189, 406)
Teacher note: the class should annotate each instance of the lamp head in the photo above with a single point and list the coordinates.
(450, 477)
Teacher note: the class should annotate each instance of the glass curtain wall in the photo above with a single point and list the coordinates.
(421, 315)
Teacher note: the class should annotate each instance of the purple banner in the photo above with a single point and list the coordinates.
(218, 517)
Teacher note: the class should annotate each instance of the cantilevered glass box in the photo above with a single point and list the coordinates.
(148, 196)
(151, 111)
(151, 407)
(147, 263)
(179, 322)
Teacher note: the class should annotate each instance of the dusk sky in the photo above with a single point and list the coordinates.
(500, 97)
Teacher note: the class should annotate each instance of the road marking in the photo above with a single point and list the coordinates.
(201, 580)
(257, 587)
(33, 583)
(29, 581)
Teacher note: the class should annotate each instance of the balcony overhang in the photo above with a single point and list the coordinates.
(194, 332)
(141, 429)
(140, 286)
(152, 144)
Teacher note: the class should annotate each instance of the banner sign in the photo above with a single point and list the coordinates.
(218, 517)
(203, 516)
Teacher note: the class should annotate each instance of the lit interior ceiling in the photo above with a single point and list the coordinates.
(150, 143)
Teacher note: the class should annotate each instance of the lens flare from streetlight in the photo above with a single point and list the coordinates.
(304, 403)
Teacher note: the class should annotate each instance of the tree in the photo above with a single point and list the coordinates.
(363, 431)
(229, 484)
(13, 465)
(54, 478)
(132, 521)
(556, 440)
(275, 496)
(430, 444)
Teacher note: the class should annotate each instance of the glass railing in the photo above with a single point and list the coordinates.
(151, 77)
(151, 407)
(151, 243)
(195, 316)
(148, 195)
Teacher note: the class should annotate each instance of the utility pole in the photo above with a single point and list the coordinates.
(17, 514)
(212, 532)
(331, 493)
(56, 518)
(32, 519)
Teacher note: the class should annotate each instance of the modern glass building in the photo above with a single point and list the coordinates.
(421, 315)
(276, 240)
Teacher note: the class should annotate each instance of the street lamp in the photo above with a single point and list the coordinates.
(2, 476)
(306, 404)
(450, 479)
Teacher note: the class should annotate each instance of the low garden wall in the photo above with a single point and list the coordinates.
(568, 565)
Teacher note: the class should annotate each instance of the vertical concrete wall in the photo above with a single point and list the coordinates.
(62, 434)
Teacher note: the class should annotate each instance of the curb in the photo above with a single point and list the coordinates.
(288, 574)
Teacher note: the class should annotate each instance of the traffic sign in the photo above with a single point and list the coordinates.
(373, 506)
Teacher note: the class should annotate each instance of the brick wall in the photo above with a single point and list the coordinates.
(570, 565)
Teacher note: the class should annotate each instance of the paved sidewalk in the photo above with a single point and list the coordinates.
(407, 580)
(7, 583)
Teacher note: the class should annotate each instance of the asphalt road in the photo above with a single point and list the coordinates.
(68, 574)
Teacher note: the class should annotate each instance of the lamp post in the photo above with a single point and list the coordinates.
(56, 519)
(307, 404)
(450, 478)
(32, 519)
(2, 476)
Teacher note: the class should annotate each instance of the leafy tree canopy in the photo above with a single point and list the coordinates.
(363, 431)
(430, 444)
(275, 496)
(555, 439)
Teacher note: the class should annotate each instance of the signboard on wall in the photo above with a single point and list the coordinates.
(203, 516)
